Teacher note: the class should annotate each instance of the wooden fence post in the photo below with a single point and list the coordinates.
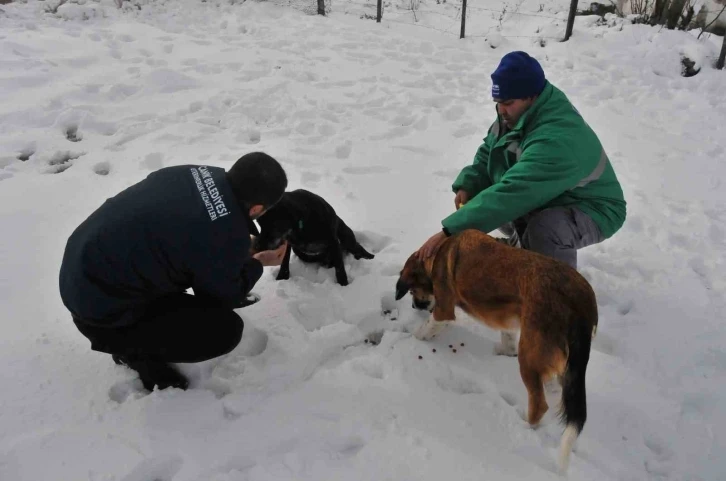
(722, 57)
(570, 20)
(380, 11)
(321, 7)
(463, 18)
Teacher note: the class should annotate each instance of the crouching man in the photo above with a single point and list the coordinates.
(126, 268)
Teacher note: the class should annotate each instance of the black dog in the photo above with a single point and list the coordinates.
(313, 231)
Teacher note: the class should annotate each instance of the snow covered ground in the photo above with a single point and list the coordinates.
(379, 119)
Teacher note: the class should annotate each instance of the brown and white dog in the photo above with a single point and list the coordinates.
(551, 305)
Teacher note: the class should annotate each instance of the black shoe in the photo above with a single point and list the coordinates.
(153, 373)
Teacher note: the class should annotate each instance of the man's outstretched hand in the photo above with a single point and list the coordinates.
(462, 197)
(272, 258)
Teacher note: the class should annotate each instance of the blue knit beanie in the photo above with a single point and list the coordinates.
(518, 76)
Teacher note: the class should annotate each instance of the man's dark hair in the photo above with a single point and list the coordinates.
(257, 178)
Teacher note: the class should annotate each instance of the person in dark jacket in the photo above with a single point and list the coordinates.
(126, 268)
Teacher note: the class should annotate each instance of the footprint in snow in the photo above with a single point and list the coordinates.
(72, 133)
(102, 168)
(61, 161)
(625, 308)
(25, 154)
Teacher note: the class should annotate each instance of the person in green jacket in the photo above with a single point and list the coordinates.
(541, 176)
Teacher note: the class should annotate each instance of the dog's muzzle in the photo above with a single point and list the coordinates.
(423, 305)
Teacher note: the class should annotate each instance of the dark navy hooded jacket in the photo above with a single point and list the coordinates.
(180, 227)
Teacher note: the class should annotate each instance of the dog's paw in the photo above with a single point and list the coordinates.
(423, 333)
(342, 279)
(363, 254)
(430, 329)
(283, 275)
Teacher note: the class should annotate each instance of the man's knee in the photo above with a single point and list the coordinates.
(550, 228)
(232, 333)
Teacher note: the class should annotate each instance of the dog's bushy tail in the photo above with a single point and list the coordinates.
(574, 402)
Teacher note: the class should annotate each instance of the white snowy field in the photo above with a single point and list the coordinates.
(378, 119)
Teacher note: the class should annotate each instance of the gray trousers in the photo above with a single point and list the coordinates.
(556, 232)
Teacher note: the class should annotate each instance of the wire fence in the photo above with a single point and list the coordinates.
(485, 21)
(453, 18)
(455, 15)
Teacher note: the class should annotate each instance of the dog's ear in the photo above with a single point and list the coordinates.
(401, 289)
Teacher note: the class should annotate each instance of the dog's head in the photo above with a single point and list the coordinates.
(415, 280)
(276, 225)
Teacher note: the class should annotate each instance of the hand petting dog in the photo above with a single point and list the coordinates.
(271, 258)
(432, 245)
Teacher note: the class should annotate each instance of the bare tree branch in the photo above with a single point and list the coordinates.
(712, 21)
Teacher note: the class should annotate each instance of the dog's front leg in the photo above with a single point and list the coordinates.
(284, 273)
(508, 346)
(439, 319)
(336, 252)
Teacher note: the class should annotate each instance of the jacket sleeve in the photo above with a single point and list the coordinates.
(474, 178)
(546, 169)
(225, 282)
